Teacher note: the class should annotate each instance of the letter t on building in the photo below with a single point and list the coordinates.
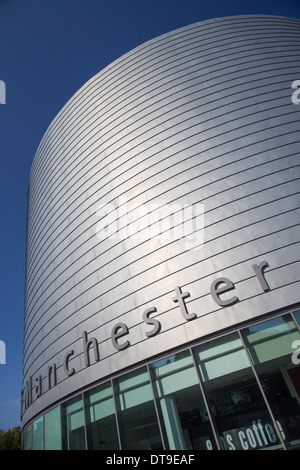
(180, 298)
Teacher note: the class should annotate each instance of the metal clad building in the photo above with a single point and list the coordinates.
(163, 215)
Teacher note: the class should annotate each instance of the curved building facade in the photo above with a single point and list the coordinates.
(162, 303)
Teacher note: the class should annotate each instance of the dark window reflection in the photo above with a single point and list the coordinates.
(270, 345)
(137, 418)
(183, 413)
(238, 408)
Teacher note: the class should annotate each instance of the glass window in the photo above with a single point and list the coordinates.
(52, 429)
(73, 436)
(237, 405)
(27, 438)
(138, 424)
(182, 409)
(297, 316)
(38, 434)
(100, 419)
(271, 347)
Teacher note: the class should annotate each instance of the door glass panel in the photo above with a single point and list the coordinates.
(137, 418)
(273, 347)
(100, 419)
(73, 436)
(237, 405)
(182, 409)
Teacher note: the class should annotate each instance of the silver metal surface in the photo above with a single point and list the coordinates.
(201, 115)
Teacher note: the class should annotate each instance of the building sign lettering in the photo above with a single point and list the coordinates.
(120, 334)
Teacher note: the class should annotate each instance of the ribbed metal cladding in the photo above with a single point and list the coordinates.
(201, 115)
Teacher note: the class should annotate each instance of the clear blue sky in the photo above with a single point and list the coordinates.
(48, 50)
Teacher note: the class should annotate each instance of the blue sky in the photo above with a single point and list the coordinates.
(48, 50)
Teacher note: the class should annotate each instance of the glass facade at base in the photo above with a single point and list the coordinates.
(240, 391)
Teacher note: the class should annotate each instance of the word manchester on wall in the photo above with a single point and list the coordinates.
(120, 334)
